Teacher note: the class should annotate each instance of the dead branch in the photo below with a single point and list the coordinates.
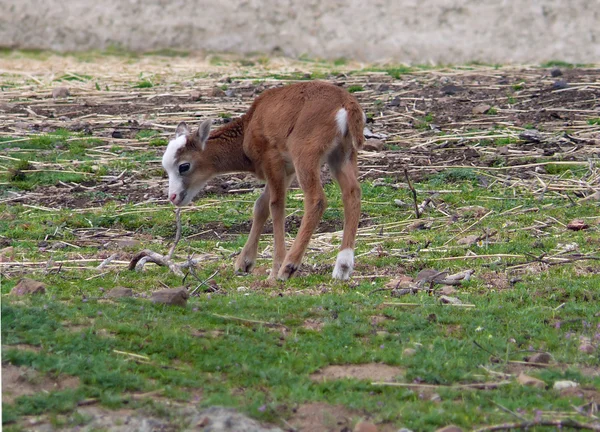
(414, 194)
(529, 424)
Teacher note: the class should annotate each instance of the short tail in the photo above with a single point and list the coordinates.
(356, 124)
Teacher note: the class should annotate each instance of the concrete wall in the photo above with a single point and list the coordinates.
(412, 31)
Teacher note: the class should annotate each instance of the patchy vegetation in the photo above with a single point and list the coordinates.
(476, 313)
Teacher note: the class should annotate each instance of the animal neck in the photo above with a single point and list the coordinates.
(225, 150)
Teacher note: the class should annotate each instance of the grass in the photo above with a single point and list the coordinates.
(77, 332)
(260, 369)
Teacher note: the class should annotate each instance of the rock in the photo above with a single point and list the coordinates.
(404, 281)
(60, 92)
(449, 428)
(120, 292)
(175, 297)
(219, 419)
(561, 385)
(435, 398)
(585, 345)
(196, 95)
(451, 89)
(373, 145)
(542, 358)
(528, 381)
(365, 426)
(400, 203)
(531, 135)
(559, 85)
(468, 240)
(229, 93)
(447, 290)
(216, 92)
(408, 352)
(481, 109)
(419, 225)
(117, 134)
(556, 72)
(450, 300)
(5, 253)
(404, 430)
(577, 225)
(28, 286)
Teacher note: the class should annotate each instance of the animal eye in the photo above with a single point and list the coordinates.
(184, 167)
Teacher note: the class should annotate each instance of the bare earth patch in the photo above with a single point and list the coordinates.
(369, 371)
(313, 324)
(20, 381)
(321, 417)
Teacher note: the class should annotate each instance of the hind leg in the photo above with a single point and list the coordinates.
(346, 175)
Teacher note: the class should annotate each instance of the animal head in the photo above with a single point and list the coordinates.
(188, 171)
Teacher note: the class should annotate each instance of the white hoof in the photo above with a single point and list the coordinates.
(344, 264)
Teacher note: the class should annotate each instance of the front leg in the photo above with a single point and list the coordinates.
(277, 204)
(247, 259)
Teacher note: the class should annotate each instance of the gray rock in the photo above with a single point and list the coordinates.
(219, 419)
(28, 286)
(60, 92)
(175, 297)
(119, 292)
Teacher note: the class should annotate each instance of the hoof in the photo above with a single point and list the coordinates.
(344, 265)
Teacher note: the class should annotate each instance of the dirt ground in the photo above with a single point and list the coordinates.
(429, 120)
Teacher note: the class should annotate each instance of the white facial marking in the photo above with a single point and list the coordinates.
(171, 167)
(344, 264)
(341, 117)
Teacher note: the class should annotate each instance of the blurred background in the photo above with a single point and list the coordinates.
(410, 31)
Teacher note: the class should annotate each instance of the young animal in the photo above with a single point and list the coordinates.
(288, 131)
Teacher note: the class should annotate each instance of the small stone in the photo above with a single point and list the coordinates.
(120, 292)
(450, 300)
(435, 398)
(60, 92)
(196, 95)
(229, 93)
(528, 381)
(556, 72)
(468, 240)
(117, 134)
(419, 225)
(449, 428)
(451, 89)
(216, 92)
(5, 253)
(408, 352)
(404, 281)
(481, 109)
(365, 426)
(404, 430)
(400, 203)
(242, 289)
(531, 136)
(561, 385)
(175, 297)
(587, 347)
(28, 286)
(447, 290)
(541, 358)
(577, 225)
(373, 145)
(560, 84)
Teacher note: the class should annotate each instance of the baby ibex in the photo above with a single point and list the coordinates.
(288, 131)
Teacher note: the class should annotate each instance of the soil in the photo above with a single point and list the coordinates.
(20, 381)
(369, 372)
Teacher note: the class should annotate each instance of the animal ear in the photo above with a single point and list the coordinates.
(203, 133)
(182, 129)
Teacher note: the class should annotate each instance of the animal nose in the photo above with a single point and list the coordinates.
(173, 197)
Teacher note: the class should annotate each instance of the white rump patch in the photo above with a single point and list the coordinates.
(344, 264)
(168, 160)
(341, 117)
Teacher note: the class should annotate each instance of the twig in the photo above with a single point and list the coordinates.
(203, 282)
(414, 193)
(464, 305)
(528, 424)
(248, 321)
(476, 386)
